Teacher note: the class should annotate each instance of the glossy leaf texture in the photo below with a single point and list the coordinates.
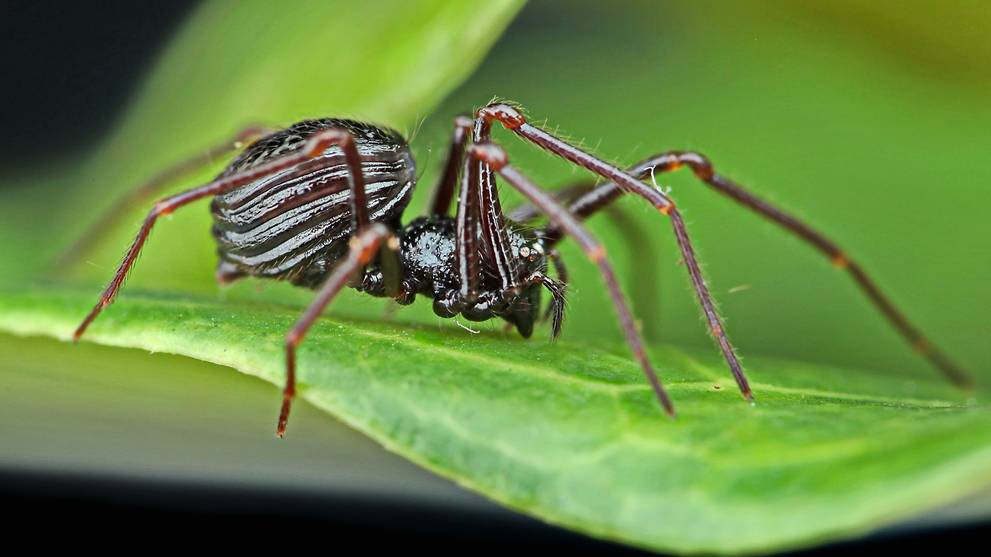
(571, 433)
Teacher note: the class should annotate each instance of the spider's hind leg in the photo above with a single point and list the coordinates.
(314, 146)
(86, 241)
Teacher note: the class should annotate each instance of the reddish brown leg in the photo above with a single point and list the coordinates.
(315, 146)
(364, 248)
(529, 212)
(495, 157)
(444, 192)
(494, 236)
(70, 257)
(703, 169)
(468, 228)
(513, 120)
(585, 199)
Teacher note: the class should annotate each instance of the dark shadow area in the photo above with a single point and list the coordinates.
(71, 67)
(77, 507)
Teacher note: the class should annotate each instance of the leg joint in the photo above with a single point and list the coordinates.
(463, 122)
(293, 338)
(321, 141)
(597, 253)
(698, 162)
(674, 160)
(160, 208)
(490, 154)
(508, 116)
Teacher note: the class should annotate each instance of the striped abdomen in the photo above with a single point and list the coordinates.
(296, 223)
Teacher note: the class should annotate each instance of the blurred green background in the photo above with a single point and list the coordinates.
(870, 121)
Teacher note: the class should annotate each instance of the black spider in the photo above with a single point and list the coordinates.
(320, 204)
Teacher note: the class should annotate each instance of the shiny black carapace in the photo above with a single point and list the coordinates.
(320, 204)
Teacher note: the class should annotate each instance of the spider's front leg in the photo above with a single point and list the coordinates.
(444, 191)
(513, 120)
(495, 158)
(480, 228)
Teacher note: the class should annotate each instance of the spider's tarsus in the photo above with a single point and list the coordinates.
(951, 371)
(665, 400)
(78, 333)
(963, 381)
(280, 430)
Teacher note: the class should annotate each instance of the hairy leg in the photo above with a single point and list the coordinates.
(513, 120)
(315, 146)
(495, 158)
(99, 229)
(364, 247)
(670, 161)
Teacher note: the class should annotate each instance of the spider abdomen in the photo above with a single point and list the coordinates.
(295, 224)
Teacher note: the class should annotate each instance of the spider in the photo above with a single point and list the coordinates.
(320, 204)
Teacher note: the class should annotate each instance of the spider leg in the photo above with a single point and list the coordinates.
(444, 192)
(480, 226)
(494, 235)
(467, 225)
(495, 158)
(585, 199)
(704, 171)
(556, 310)
(315, 146)
(364, 247)
(558, 292)
(514, 121)
(529, 212)
(559, 266)
(71, 256)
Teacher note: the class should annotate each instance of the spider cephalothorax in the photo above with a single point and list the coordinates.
(320, 204)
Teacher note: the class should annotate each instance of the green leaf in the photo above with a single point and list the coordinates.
(571, 433)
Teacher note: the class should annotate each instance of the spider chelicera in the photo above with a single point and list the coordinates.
(320, 204)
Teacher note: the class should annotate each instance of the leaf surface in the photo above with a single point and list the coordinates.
(571, 433)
